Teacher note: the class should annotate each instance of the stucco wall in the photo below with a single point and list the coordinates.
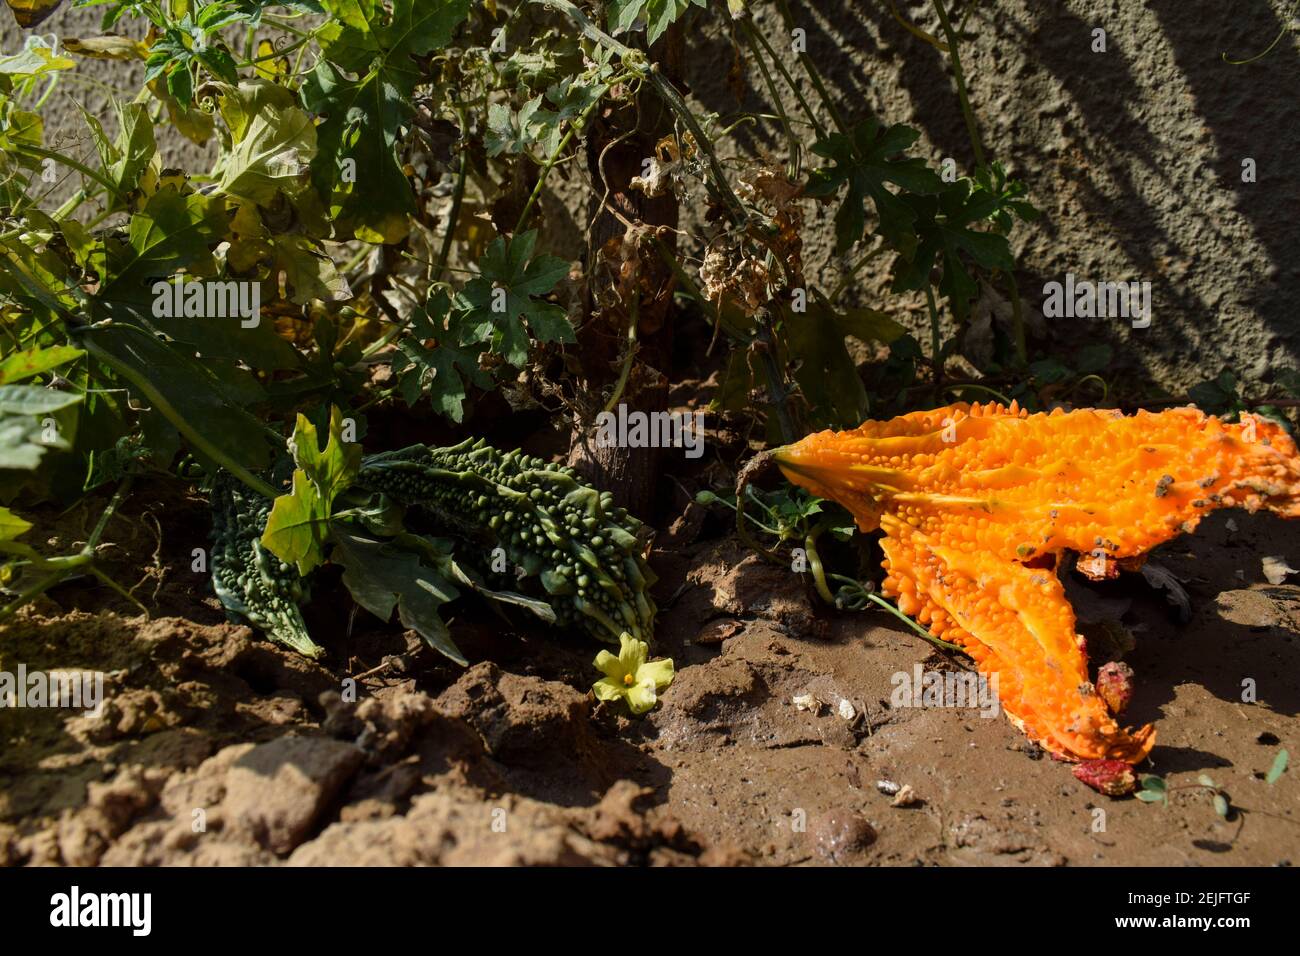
(1134, 155)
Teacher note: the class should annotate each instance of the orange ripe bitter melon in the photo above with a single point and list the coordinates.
(977, 504)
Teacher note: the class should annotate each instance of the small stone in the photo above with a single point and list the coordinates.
(715, 632)
(887, 787)
(278, 790)
(905, 797)
(845, 710)
(1276, 568)
(839, 833)
(807, 702)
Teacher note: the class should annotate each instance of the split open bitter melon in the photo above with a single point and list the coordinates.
(586, 555)
(253, 585)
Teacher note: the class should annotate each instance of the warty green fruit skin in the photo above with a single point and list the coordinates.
(585, 554)
(253, 585)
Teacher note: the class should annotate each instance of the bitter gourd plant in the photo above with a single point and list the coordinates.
(538, 519)
(253, 584)
(511, 519)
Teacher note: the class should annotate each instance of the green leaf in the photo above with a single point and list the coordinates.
(944, 234)
(1153, 783)
(34, 400)
(1048, 370)
(441, 370)
(175, 232)
(501, 303)
(18, 129)
(11, 526)
(204, 401)
(865, 162)
(299, 523)
(1092, 358)
(658, 15)
(381, 577)
(439, 553)
(180, 83)
(172, 232)
(364, 117)
(510, 133)
(24, 439)
(309, 271)
(22, 365)
(127, 157)
(1279, 767)
(1221, 805)
(826, 371)
(1217, 396)
(36, 57)
(572, 96)
(274, 142)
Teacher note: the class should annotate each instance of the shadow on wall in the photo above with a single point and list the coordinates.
(1110, 164)
(1106, 185)
(1229, 98)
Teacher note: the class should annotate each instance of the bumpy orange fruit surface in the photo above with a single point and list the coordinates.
(977, 503)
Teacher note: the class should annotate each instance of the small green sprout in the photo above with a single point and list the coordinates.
(1156, 790)
(632, 675)
(1153, 790)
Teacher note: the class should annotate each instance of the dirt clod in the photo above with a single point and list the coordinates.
(840, 833)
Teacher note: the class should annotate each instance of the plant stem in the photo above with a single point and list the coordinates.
(678, 105)
(815, 562)
(665, 90)
(922, 632)
(979, 388)
(37, 589)
(811, 69)
(960, 79)
(789, 79)
(1286, 28)
(765, 341)
(69, 162)
(159, 402)
(752, 520)
(453, 217)
(118, 497)
(68, 563)
(626, 371)
(857, 267)
(560, 147)
(748, 30)
(935, 348)
(276, 54)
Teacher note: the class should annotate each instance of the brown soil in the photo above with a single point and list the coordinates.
(218, 747)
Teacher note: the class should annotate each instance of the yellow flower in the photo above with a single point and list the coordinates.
(631, 675)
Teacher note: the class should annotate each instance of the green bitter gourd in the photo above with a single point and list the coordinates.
(586, 554)
(253, 585)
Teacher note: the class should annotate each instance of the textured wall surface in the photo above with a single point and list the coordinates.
(1134, 155)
